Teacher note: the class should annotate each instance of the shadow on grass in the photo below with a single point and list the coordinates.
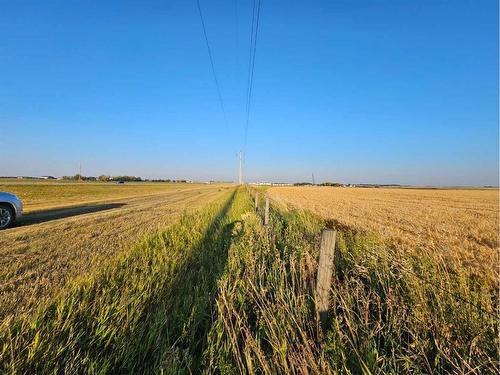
(186, 310)
(61, 213)
(163, 322)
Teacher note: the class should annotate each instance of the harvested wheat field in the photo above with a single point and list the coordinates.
(461, 224)
(218, 291)
(41, 195)
(50, 247)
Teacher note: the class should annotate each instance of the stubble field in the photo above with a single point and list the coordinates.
(131, 285)
(70, 229)
(456, 224)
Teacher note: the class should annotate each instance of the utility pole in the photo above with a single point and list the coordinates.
(80, 174)
(314, 182)
(240, 156)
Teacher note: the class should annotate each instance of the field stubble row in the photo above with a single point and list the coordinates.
(38, 260)
(217, 292)
(42, 195)
(459, 226)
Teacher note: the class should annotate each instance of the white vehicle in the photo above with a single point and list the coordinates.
(11, 209)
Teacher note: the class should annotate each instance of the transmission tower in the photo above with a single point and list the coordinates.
(240, 157)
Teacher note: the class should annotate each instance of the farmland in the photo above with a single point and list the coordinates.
(460, 224)
(40, 195)
(249, 187)
(216, 291)
(71, 228)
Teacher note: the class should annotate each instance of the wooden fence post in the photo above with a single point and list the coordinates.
(256, 201)
(325, 273)
(266, 212)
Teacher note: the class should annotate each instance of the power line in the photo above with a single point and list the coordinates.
(212, 62)
(251, 63)
(240, 158)
(252, 27)
(236, 34)
(253, 57)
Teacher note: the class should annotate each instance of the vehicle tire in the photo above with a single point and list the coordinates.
(6, 216)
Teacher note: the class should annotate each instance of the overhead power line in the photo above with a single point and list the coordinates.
(251, 63)
(219, 94)
(252, 27)
(236, 34)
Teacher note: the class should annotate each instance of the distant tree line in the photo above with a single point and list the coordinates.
(103, 178)
(78, 177)
(322, 184)
(330, 184)
(168, 180)
(125, 178)
(106, 178)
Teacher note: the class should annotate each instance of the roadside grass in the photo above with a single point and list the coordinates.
(219, 293)
(149, 310)
(389, 313)
(461, 225)
(37, 261)
(394, 312)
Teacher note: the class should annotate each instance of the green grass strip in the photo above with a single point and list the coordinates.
(218, 293)
(384, 319)
(149, 310)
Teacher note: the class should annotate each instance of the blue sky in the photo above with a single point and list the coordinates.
(352, 91)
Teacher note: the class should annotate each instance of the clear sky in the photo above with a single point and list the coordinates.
(352, 91)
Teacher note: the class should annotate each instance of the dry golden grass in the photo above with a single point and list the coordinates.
(460, 224)
(39, 195)
(217, 292)
(47, 249)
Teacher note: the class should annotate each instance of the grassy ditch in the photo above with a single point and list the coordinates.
(39, 259)
(218, 293)
(389, 313)
(149, 310)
